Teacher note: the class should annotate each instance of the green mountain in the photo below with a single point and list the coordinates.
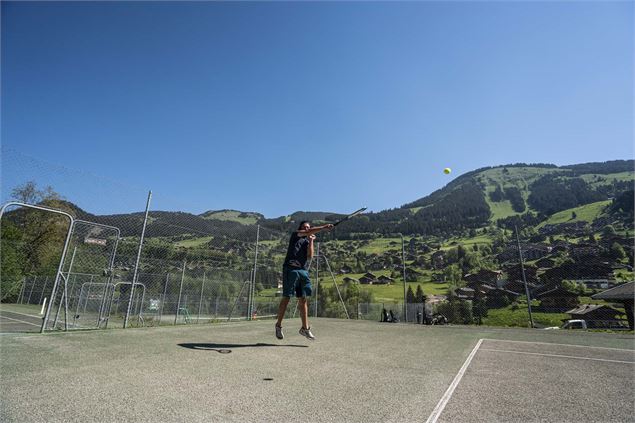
(501, 195)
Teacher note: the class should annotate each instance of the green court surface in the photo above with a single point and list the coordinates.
(356, 371)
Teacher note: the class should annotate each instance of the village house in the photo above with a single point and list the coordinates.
(530, 252)
(599, 316)
(519, 287)
(346, 269)
(480, 287)
(438, 260)
(595, 283)
(464, 293)
(412, 274)
(583, 250)
(558, 300)
(384, 280)
(500, 297)
(367, 278)
(486, 276)
(625, 294)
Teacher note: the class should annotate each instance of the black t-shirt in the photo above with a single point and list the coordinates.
(297, 252)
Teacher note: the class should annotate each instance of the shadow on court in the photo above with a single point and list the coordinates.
(227, 348)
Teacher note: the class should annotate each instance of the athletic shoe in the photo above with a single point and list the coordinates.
(279, 333)
(307, 333)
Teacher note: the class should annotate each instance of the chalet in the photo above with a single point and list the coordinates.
(598, 316)
(490, 277)
(366, 280)
(377, 265)
(589, 268)
(569, 228)
(519, 287)
(515, 273)
(624, 294)
(530, 252)
(595, 283)
(384, 280)
(412, 274)
(500, 297)
(535, 251)
(345, 269)
(438, 259)
(464, 293)
(558, 300)
(584, 250)
(481, 287)
(545, 262)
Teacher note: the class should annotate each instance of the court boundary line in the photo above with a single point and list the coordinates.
(562, 345)
(560, 356)
(448, 393)
(22, 314)
(21, 321)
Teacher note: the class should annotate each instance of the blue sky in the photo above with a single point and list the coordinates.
(276, 107)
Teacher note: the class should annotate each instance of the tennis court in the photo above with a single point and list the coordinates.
(356, 371)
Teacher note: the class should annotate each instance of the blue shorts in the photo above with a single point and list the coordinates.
(295, 282)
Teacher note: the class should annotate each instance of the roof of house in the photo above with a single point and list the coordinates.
(621, 292)
(587, 308)
(558, 292)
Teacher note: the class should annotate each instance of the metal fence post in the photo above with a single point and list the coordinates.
(165, 290)
(65, 294)
(136, 267)
(522, 268)
(317, 277)
(28, 301)
(200, 300)
(253, 281)
(21, 295)
(403, 265)
(46, 280)
(178, 305)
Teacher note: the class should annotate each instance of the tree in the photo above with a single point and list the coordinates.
(420, 297)
(410, 296)
(617, 252)
(30, 194)
(479, 309)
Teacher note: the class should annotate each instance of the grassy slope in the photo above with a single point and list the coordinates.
(233, 216)
(519, 177)
(194, 242)
(586, 213)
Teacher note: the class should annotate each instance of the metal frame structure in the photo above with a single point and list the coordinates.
(112, 298)
(59, 274)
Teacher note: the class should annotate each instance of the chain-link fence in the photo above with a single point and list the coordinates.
(64, 267)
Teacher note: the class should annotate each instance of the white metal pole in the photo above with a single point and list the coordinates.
(136, 267)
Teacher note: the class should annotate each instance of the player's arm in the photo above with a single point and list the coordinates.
(309, 253)
(314, 230)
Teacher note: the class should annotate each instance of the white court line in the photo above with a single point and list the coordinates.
(561, 356)
(448, 393)
(563, 345)
(21, 321)
(21, 314)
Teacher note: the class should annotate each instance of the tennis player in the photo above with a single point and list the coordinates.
(295, 275)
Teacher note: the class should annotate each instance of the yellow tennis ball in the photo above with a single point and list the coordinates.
(447, 170)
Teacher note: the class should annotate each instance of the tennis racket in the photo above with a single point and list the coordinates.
(350, 216)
